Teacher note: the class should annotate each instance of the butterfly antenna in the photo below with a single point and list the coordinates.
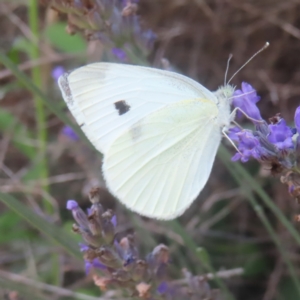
(227, 68)
(255, 54)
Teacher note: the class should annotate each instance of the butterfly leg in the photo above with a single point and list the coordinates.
(233, 113)
(230, 140)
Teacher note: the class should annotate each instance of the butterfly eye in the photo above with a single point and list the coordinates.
(122, 107)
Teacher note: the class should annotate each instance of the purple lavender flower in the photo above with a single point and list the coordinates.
(70, 133)
(246, 100)
(119, 54)
(274, 144)
(119, 261)
(248, 145)
(57, 72)
(281, 135)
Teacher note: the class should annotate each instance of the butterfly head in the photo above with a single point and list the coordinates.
(224, 98)
(224, 94)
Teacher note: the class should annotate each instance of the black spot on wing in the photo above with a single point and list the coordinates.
(122, 107)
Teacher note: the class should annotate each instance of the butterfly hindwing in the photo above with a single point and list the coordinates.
(158, 166)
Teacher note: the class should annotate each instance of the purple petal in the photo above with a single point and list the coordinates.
(246, 100)
(94, 264)
(162, 288)
(297, 119)
(248, 145)
(78, 214)
(232, 133)
(114, 220)
(71, 204)
(70, 133)
(281, 135)
(57, 72)
(119, 54)
(83, 247)
(236, 157)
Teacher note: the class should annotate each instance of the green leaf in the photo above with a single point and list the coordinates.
(58, 37)
(56, 234)
(8, 122)
(255, 266)
(23, 45)
(23, 78)
(203, 254)
(9, 222)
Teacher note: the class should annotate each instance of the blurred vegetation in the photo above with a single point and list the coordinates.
(244, 218)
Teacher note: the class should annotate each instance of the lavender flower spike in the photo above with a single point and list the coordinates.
(246, 100)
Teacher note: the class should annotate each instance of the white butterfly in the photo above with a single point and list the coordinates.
(159, 132)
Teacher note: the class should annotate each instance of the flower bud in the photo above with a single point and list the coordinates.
(108, 229)
(126, 250)
(89, 238)
(78, 214)
(139, 272)
(94, 224)
(109, 257)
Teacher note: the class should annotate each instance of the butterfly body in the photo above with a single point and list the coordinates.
(159, 132)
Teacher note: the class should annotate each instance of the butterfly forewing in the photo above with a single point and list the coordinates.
(107, 99)
(158, 166)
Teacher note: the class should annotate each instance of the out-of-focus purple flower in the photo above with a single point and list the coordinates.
(57, 72)
(281, 135)
(119, 54)
(70, 133)
(246, 100)
(95, 264)
(125, 2)
(297, 119)
(162, 288)
(114, 220)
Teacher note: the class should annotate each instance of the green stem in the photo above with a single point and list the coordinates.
(40, 115)
(41, 122)
(23, 78)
